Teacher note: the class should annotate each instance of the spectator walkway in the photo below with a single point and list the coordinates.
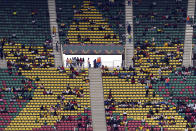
(54, 33)
(97, 100)
(129, 46)
(3, 63)
(187, 56)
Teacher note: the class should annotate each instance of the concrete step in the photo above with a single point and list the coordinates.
(187, 55)
(53, 23)
(3, 63)
(129, 48)
(97, 100)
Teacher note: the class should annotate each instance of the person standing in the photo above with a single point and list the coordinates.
(89, 64)
(98, 61)
(70, 62)
(167, 82)
(129, 37)
(188, 20)
(57, 46)
(54, 30)
(147, 91)
(129, 29)
(129, 2)
(83, 62)
(95, 63)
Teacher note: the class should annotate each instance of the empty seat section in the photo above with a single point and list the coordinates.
(85, 30)
(25, 22)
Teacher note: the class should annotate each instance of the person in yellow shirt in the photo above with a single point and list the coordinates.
(146, 41)
(140, 61)
(33, 13)
(153, 44)
(147, 69)
(174, 108)
(141, 128)
(169, 118)
(75, 107)
(81, 89)
(14, 12)
(152, 17)
(74, 97)
(70, 62)
(107, 118)
(29, 89)
(165, 44)
(54, 30)
(45, 114)
(20, 97)
(62, 25)
(121, 123)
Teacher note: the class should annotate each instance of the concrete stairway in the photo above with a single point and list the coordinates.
(129, 47)
(3, 63)
(97, 100)
(187, 56)
(53, 24)
(194, 63)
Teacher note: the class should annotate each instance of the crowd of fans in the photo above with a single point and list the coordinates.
(154, 64)
(24, 93)
(71, 105)
(162, 119)
(75, 62)
(19, 92)
(80, 62)
(78, 92)
(182, 106)
(110, 103)
(25, 61)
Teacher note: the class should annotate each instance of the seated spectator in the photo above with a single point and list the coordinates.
(3, 110)
(44, 92)
(42, 86)
(37, 78)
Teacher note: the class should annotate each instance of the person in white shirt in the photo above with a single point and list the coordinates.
(42, 86)
(124, 113)
(48, 92)
(194, 107)
(67, 91)
(160, 71)
(118, 68)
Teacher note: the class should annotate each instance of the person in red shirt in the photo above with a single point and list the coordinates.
(133, 80)
(44, 92)
(187, 19)
(167, 80)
